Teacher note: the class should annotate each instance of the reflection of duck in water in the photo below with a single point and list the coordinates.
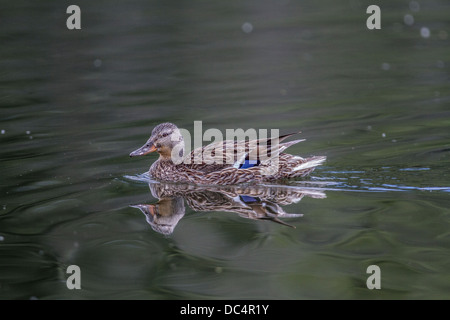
(223, 162)
(252, 202)
(164, 215)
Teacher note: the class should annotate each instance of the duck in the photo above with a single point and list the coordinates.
(227, 162)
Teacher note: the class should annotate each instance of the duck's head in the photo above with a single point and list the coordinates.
(166, 139)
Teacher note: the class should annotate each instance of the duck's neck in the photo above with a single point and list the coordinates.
(173, 154)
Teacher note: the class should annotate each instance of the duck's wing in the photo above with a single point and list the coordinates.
(263, 152)
(238, 154)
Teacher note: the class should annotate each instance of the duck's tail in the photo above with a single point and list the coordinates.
(302, 167)
(310, 163)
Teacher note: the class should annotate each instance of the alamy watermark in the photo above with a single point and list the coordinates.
(374, 280)
(210, 155)
(74, 20)
(74, 280)
(235, 148)
(373, 22)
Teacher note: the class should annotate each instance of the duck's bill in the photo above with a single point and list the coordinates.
(147, 209)
(142, 151)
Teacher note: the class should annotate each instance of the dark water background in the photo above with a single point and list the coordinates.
(75, 103)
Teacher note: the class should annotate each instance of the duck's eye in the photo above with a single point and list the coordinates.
(165, 134)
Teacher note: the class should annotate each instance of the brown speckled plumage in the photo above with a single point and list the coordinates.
(218, 167)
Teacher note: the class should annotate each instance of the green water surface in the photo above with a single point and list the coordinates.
(75, 103)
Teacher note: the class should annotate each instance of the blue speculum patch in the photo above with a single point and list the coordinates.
(249, 164)
(248, 199)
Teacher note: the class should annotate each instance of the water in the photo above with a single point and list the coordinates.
(75, 103)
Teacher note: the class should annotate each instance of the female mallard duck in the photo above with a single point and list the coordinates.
(223, 162)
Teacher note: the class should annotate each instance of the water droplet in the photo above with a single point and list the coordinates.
(425, 32)
(247, 27)
(385, 66)
(394, 141)
(369, 127)
(97, 63)
(4, 207)
(383, 135)
(2, 238)
(408, 19)
(28, 132)
(31, 137)
(414, 6)
(34, 298)
(3, 131)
